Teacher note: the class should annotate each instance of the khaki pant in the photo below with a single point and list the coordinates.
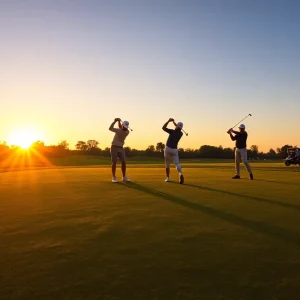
(241, 156)
(172, 154)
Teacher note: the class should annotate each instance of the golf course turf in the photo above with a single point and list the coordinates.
(70, 234)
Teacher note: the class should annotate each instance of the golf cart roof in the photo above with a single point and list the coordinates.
(294, 148)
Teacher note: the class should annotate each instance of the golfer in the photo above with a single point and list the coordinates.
(171, 150)
(117, 150)
(240, 139)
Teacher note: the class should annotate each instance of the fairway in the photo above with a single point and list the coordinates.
(70, 234)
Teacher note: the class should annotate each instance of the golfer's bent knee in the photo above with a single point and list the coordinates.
(178, 167)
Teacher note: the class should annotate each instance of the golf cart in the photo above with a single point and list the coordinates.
(293, 157)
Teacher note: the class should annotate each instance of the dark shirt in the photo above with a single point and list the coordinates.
(240, 139)
(174, 137)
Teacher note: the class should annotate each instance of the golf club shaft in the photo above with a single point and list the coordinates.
(241, 121)
(181, 129)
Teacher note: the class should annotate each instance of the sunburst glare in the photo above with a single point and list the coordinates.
(24, 138)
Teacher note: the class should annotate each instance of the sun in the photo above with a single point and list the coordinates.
(23, 138)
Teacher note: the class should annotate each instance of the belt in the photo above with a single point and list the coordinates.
(117, 146)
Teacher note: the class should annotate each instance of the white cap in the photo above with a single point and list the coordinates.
(242, 126)
(126, 124)
(180, 124)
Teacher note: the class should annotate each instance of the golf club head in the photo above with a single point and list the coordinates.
(185, 132)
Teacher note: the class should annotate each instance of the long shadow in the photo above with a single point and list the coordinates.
(277, 169)
(274, 202)
(291, 169)
(231, 167)
(274, 181)
(260, 227)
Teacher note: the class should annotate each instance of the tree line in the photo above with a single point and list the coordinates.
(91, 147)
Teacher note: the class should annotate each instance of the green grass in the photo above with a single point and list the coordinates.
(69, 234)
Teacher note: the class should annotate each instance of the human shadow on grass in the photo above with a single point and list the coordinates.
(260, 227)
(274, 181)
(294, 170)
(230, 167)
(263, 169)
(274, 202)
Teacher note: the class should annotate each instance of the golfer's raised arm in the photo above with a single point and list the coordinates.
(235, 132)
(165, 126)
(233, 138)
(111, 127)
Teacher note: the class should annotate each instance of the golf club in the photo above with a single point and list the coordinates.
(181, 128)
(128, 126)
(185, 132)
(249, 115)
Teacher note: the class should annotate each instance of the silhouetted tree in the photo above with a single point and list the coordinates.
(63, 145)
(91, 147)
(136, 152)
(92, 144)
(150, 150)
(253, 152)
(207, 151)
(61, 149)
(38, 146)
(271, 154)
(254, 149)
(282, 152)
(127, 151)
(228, 153)
(106, 152)
(3, 146)
(81, 146)
(160, 147)
(4, 150)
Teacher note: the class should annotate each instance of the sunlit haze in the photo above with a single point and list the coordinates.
(24, 138)
(68, 68)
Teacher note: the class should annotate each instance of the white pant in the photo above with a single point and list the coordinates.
(241, 156)
(172, 154)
